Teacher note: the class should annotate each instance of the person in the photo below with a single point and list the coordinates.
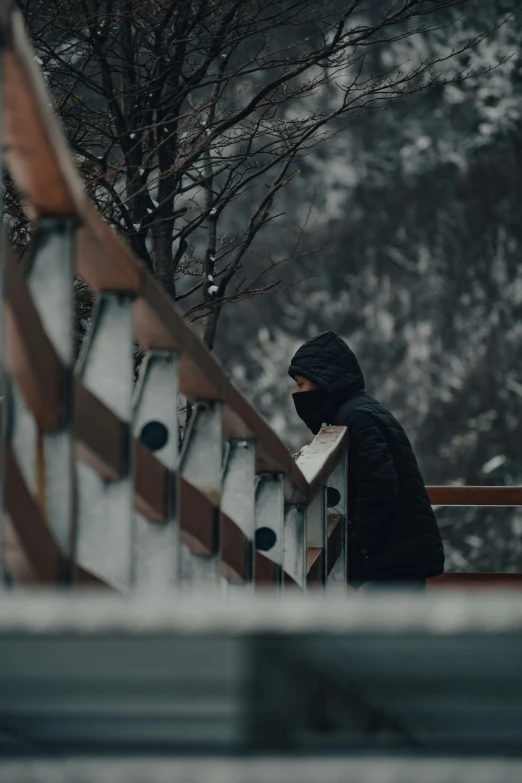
(393, 536)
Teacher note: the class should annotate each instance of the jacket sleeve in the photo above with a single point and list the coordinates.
(375, 480)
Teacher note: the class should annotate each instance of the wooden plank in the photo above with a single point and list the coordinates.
(199, 520)
(99, 435)
(472, 581)
(36, 151)
(475, 496)
(322, 456)
(102, 257)
(40, 548)
(159, 324)
(314, 566)
(151, 484)
(266, 571)
(335, 540)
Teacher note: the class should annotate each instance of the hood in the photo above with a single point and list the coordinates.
(329, 362)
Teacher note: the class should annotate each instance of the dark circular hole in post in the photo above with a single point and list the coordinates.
(265, 538)
(333, 496)
(154, 435)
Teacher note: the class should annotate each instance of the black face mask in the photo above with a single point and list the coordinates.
(311, 407)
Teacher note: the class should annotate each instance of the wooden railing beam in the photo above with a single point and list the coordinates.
(318, 460)
(30, 356)
(475, 496)
(37, 155)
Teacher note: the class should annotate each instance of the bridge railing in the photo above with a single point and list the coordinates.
(94, 489)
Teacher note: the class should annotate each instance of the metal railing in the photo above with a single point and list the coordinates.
(94, 489)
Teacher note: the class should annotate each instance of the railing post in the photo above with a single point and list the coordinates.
(201, 468)
(106, 530)
(50, 281)
(156, 425)
(318, 462)
(295, 539)
(270, 528)
(46, 459)
(238, 506)
(337, 533)
(316, 542)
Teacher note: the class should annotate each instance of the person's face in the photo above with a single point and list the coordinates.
(304, 385)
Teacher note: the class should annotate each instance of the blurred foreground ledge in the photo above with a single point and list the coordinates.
(188, 677)
(278, 769)
(91, 610)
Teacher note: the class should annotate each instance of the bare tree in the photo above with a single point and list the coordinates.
(188, 117)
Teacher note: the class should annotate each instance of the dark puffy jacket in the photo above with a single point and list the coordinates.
(389, 511)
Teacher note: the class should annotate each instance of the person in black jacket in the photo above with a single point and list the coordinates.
(393, 533)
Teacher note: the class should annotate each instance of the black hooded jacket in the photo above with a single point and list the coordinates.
(389, 513)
